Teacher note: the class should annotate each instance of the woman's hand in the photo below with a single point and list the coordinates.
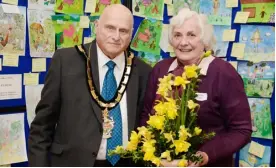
(166, 163)
(205, 160)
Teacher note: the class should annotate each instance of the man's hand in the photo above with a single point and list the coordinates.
(205, 160)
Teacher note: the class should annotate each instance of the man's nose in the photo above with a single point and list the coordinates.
(116, 36)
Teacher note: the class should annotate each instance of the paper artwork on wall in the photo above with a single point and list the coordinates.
(153, 9)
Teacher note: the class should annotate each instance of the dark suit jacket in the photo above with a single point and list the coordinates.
(67, 129)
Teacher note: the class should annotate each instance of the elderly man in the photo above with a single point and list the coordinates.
(91, 100)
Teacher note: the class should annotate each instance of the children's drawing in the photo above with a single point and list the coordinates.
(247, 159)
(149, 58)
(12, 139)
(102, 4)
(44, 4)
(92, 26)
(41, 33)
(69, 6)
(148, 8)
(191, 4)
(12, 32)
(258, 78)
(147, 37)
(261, 118)
(68, 33)
(220, 48)
(261, 11)
(259, 42)
(217, 12)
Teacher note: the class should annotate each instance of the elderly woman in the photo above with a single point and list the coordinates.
(224, 107)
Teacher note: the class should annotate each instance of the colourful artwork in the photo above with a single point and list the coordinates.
(191, 4)
(41, 33)
(44, 4)
(68, 33)
(102, 4)
(217, 12)
(258, 78)
(148, 36)
(261, 118)
(220, 49)
(153, 9)
(149, 58)
(92, 26)
(69, 6)
(261, 11)
(259, 42)
(12, 32)
(12, 139)
(249, 160)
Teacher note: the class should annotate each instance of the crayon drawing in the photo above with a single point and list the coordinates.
(220, 48)
(69, 6)
(12, 32)
(148, 36)
(68, 33)
(191, 4)
(44, 4)
(102, 4)
(247, 159)
(216, 11)
(261, 11)
(153, 9)
(41, 33)
(259, 42)
(12, 139)
(92, 26)
(258, 78)
(261, 118)
(149, 58)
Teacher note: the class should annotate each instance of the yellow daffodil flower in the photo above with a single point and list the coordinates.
(160, 108)
(131, 146)
(165, 84)
(181, 80)
(168, 136)
(156, 122)
(143, 131)
(171, 108)
(197, 130)
(190, 71)
(119, 149)
(166, 155)
(149, 155)
(181, 146)
(149, 145)
(134, 137)
(192, 105)
(183, 163)
(156, 161)
(183, 133)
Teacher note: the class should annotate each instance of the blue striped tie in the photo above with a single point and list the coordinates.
(108, 92)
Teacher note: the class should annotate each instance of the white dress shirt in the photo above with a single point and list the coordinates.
(118, 72)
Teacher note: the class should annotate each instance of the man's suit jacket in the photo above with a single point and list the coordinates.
(67, 129)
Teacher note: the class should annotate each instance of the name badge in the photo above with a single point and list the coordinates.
(201, 96)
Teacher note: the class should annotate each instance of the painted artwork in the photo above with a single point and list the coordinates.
(191, 4)
(261, 118)
(261, 11)
(259, 42)
(102, 4)
(258, 78)
(92, 26)
(12, 32)
(44, 4)
(216, 11)
(69, 6)
(149, 58)
(153, 9)
(249, 160)
(12, 139)
(68, 33)
(148, 36)
(220, 48)
(41, 33)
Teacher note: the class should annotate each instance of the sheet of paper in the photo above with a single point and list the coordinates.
(256, 149)
(87, 40)
(241, 17)
(238, 50)
(170, 9)
(170, 48)
(0, 64)
(84, 22)
(232, 3)
(164, 41)
(10, 87)
(10, 8)
(32, 96)
(31, 78)
(10, 60)
(38, 64)
(234, 64)
(168, 1)
(172, 54)
(12, 135)
(90, 6)
(229, 35)
(13, 2)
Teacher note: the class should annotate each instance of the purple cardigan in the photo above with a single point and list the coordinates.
(226, 110)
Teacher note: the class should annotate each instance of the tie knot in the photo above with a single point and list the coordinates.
(110, 64)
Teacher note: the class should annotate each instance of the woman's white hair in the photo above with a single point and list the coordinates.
(207, 32)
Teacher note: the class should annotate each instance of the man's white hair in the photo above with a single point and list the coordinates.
(207, 31)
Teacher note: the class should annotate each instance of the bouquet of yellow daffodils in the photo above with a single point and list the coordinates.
(172, 132)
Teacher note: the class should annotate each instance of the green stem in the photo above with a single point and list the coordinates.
(184, 105)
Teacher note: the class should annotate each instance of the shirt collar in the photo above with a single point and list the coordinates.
(103, 59)
(204, 64)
